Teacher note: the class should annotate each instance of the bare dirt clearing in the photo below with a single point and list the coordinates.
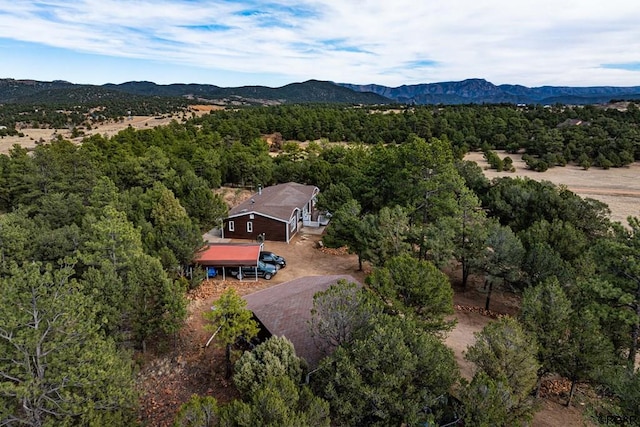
(170, 378)
(617, 187)
(34, 136)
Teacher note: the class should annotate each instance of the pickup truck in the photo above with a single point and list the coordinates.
(273, 259)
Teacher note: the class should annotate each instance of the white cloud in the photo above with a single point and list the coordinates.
(364, 41)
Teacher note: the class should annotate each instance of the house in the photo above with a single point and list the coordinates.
(274, 213)
(285, 310)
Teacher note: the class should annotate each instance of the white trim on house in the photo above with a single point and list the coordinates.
(242, 214)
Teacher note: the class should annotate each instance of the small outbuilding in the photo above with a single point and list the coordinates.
(274, 213)
(285, 310)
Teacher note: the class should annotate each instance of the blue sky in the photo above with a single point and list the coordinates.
(272, 43)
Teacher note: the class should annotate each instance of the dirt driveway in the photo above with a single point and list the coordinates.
(304, 258)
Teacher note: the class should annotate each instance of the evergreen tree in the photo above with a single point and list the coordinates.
(546, 313)
(620, 263)
(470, 235)
(334, 197)
(588, 355)
(275, 357)
(417, 287)
(110, 238)
(503, 257)
(507, 355)
(392, 230)
(199, 411)
(348, 229)
(277, 402)
(390, 375)
(157, 303)
(230, 321)
(486, 402)
(17, 233)
(341, 313)
(626, 387)
(55, 366)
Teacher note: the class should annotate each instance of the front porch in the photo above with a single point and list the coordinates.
(316, 219)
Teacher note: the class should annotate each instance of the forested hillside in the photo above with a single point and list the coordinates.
(480, 91)
(96, 241)
(465, 92)
(60, 92)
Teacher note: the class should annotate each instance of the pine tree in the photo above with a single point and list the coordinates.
(506, 354)
(416, 287)
(388, 376)
(199, 411)
(546, 313)
(273, 358)
(56, 368)
(230, 321)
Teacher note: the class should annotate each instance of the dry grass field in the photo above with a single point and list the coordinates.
(619, 188)
(32, 136)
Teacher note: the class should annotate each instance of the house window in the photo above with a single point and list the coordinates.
(232, 226)
(292, 224)
(249, 227)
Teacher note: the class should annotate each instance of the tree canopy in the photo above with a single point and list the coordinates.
(390, 375)
(56, 367)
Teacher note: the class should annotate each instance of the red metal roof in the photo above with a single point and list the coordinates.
(229, 255)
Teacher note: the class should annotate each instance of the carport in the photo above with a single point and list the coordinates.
(222, 255)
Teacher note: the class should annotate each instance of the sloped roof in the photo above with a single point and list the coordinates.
(285, 309)
(229, 255)
(278, 201)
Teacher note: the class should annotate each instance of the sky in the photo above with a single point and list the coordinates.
(272, 43)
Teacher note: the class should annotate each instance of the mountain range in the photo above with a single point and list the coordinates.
(470, 91)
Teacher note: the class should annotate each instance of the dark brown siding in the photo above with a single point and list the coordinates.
(274, 230)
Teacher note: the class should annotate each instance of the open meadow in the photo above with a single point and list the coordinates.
(617, 187)
(34, 136)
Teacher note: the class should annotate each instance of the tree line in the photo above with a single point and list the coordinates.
(550, 136)
(589, 136)
(80, 113)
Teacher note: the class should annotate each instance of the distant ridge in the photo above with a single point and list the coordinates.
(478, 91)
(312, 91)
(470, 91)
